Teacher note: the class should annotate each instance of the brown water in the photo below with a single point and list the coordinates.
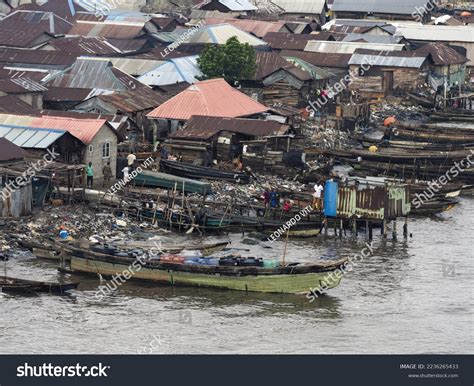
(413, 296)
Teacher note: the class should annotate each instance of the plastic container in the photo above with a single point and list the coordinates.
(63, 234)
(270, 263)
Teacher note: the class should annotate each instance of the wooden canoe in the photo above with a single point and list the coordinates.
(291, 278)
(13, 284)
(202, 172)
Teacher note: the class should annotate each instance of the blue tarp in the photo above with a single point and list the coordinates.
(330, 199)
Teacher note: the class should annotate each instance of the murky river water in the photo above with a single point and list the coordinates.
(412, 296)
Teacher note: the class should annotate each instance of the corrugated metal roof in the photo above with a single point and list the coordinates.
(14, 105)
(442, 54)
(128, 45)
(28, 137)
(315, 71)
(24, 28)
(65, 9)
(94, 73)
(320, 59)
(348, 47)
(135, 67)
(403, 7)
(9, 151)
(36, 57)
(383, 39)
(211, 97)
(436, 33)
(108, 29)
(289, 41)
(83, 129)
(238, 5)
(133, 101)
(173, 71)
(386, 60)
(205, 127)
(219, 34)
(315, 7)
(20, 86)
(270, 62)
(84, 45)
(258, 28)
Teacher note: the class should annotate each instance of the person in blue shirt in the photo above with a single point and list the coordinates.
(90, 175)
(273, 199)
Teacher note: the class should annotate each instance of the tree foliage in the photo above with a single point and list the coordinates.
(232, 61)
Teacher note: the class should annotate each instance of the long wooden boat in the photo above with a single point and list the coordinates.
(205, 249)
(441, 127)
(52, 250)
(432, 136)
(398, 156)
(294, 278)
(13, 284)
(199, 172)
(169, 181)
(433, 207)
(423, 171)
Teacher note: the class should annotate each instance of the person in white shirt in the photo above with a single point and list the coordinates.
(125, 172)
(318, 190)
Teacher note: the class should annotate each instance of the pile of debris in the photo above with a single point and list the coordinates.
(77, 222)
(401, 111)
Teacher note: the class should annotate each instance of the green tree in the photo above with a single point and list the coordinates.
(232, 61)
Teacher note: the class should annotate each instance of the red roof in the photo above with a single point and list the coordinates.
(212, 97)
(83, 129)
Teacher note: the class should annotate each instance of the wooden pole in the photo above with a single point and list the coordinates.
(286, 246)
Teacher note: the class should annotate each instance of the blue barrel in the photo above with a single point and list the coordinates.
(330, 199)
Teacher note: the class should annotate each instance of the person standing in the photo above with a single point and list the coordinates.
(125, 172)
(107, 172)
(273, 199)
(131, 161)
(318, 190)
(266, 197)
(90, 175)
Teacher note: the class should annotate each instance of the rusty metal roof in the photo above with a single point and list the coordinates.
(66, 94)
(442, 54)
(66, 9)
(128, 45)
(36, 57)
(115, 30)
(25, 28)
(13, 105)
(205, 127)
(211, 97)
(290, 41)
(270, 62)
(9, 151)
(20, 86)
(94, 73)
(133, 101)
(84, 45)
(320, 59)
